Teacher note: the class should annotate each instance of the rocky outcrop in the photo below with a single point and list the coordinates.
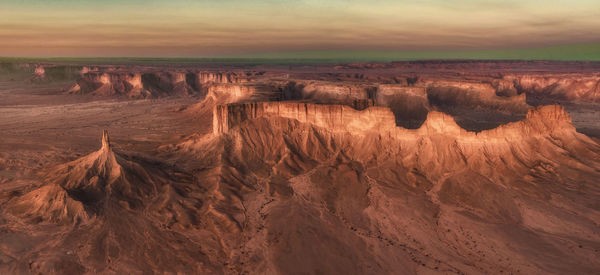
(166, 83)
(333, 117)
(131, 85)
(139, 84)
(231, 93)
(201, 81)
(482, 87)
(330, 93)
(108, 84)
(125, 203)
(50, 203)
(504, 87)
(478, 95)
(521, 180)
(39, 72)
(340, 118)
(437, 123)
(409, 104)
(106, 175)
(573, 87)
(79, 190)
(542, 120)
(334, 92)
(204, 78)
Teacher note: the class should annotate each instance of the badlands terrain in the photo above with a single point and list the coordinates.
(432, 167)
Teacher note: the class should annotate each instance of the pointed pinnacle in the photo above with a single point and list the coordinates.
(105, 140)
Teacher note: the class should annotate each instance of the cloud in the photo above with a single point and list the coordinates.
(209, 27)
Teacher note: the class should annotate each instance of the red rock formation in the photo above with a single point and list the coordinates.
(409, 104)
(333, 92)
(297, 187)
(50, 203)
(166, 83)
(108, 84)
(468, 94)
(230, 93)
(329, 93)
(113, 81)
(218, 78)
(39, 72)
(584, 87)
(543, 120)
(78, 190)
(131, 85)
(333, 117)
(125, 204)
(432, 191)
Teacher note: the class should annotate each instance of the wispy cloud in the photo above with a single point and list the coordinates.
(113, 27)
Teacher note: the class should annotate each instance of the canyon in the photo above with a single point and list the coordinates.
(423, 167)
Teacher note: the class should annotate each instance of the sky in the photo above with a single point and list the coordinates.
(148, 28)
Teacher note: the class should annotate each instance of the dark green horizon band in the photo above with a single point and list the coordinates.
(583, 52)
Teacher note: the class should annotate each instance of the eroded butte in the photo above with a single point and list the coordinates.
(384, 168)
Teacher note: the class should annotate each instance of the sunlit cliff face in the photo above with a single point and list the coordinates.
(190, 28)
(418, 167)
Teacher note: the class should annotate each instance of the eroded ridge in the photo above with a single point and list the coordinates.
(340, 118)
(332, 117)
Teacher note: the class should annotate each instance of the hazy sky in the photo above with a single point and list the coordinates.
(211, 27)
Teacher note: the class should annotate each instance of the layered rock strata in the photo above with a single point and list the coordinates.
(333, 117)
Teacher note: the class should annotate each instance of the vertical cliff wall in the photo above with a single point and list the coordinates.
(333, 117)
(559, 86)
(218, 77)
(409, 104)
